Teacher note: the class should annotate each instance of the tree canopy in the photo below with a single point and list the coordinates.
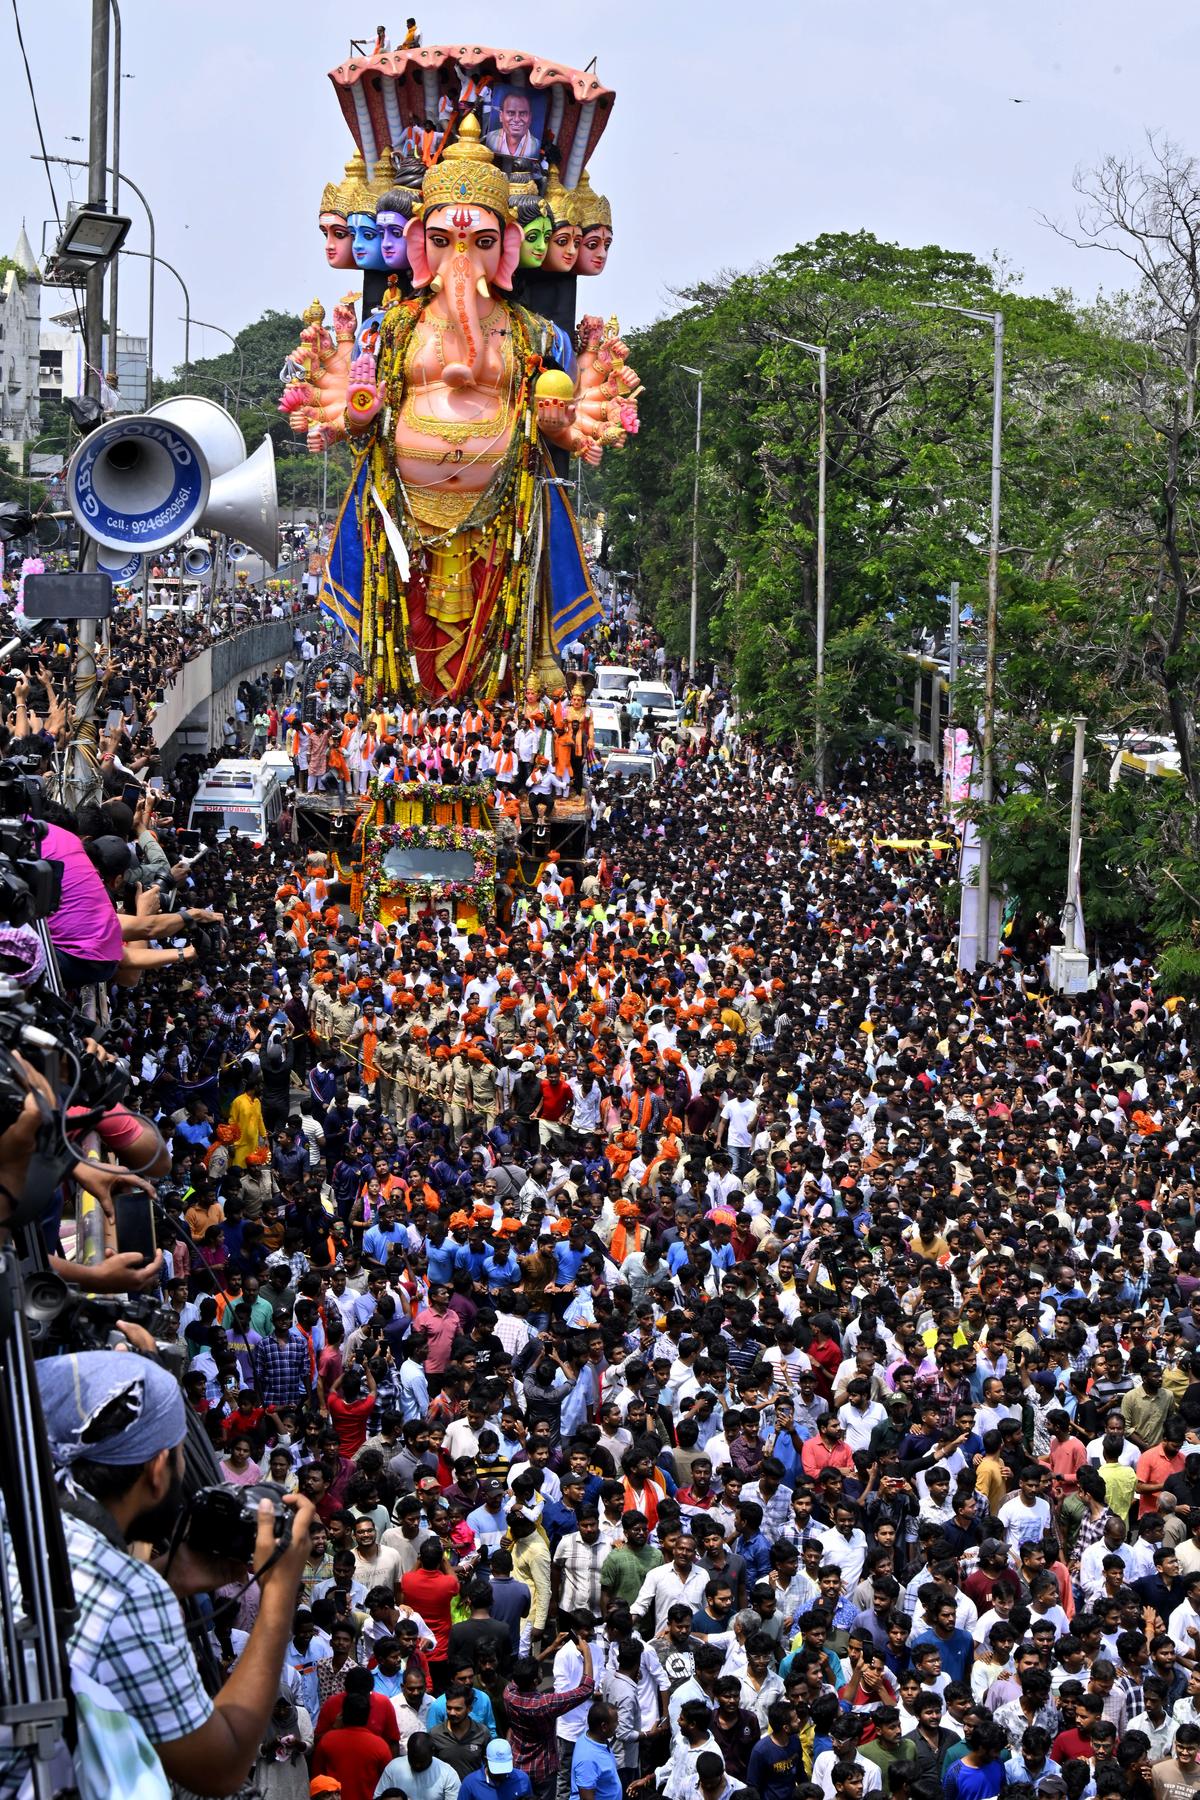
(1099, 528)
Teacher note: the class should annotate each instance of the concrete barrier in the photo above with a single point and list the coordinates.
(203, 693)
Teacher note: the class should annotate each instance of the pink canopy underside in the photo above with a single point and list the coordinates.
(403, 70)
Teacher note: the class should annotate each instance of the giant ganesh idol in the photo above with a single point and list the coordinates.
(456, 559)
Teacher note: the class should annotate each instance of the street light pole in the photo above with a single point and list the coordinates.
(187, 308)
(205, 326)
(820, 351)
(996, 321)
(73, 162)
(115, 171)
(81, 772)
(695, 608)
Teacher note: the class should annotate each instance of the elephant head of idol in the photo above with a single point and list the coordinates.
(464, 245)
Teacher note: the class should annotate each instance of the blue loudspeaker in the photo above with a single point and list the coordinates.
(138, 484)
(117, 566)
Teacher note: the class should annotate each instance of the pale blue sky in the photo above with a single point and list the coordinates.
(739, 130)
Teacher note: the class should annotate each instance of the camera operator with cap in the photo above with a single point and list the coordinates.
(115, 1423)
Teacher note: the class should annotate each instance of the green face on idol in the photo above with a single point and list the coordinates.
(535, 241)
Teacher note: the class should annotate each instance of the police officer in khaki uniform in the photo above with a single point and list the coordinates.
(388, 1058)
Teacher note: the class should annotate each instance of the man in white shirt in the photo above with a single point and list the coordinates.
(1025, 1516)
(679, 1579)
(737, 1114)
(860, 1415)
(845, 1546)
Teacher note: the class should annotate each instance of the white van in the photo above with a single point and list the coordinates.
(606, 730)
(612, 683)
(658, 703)
(238, 795)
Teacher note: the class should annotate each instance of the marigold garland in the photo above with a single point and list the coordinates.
(480, 889)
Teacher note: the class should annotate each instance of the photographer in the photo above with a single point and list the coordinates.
(116, 1425)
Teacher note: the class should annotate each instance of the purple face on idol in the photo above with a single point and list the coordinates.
(392, 246)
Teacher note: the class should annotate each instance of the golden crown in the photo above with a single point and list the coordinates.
(468, 175)
(558, 199)
(386, 176)
(351, 194)
(587, 207)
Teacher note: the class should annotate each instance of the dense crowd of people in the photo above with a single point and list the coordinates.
(709, 1345)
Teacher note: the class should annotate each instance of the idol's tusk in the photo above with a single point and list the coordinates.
(482, 288)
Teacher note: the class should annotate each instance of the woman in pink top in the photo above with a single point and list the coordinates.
(239, 1469)
(85, 930)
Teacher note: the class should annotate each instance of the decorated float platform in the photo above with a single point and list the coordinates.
(425, 847)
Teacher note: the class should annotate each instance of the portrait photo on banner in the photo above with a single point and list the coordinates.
(515, 118)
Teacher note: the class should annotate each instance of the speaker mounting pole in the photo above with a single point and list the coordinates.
(81, 774)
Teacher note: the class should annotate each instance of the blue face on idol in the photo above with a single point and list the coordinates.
(367, 241)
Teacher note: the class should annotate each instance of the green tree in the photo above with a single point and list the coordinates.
(249, 387)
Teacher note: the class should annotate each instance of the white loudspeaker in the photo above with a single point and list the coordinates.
(197, 556)
(117, 565)
(142, 482)
(244, 502)
(138, 484)
(216, 431)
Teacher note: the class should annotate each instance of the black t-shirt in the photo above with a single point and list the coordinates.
(466, 1638)
(736, 1741)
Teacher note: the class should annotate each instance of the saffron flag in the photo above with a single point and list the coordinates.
(340, 593)
(574, 607)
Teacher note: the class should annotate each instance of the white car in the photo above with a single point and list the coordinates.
(612, 683)
(659, 706)
(633, 765)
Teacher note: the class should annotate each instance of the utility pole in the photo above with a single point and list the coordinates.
(820, 351)
(1069, 960)
(695, 609)
(116, 175)
(952, 657)
(820, 731)
(983, 933)
(989, 675)
(81, 778)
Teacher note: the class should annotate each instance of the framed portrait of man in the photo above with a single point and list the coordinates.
(515, 118)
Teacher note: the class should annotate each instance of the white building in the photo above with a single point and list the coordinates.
(20, 324)
(63, 369)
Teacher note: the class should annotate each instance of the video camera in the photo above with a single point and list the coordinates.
(30, 886)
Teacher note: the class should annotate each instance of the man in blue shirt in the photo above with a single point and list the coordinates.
(440, 1252)
(594, 1772)
(957, 1647)
(750, 1544)
(568, 1258)
(385, 1233)
(498, 1779)
(500, 1269)
(479, 1707)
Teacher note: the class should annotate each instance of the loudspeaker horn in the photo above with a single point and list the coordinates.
(118, 566)
(244, 502)
(237, 553)
(216, 431)
(139, 483)
(197, 556)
